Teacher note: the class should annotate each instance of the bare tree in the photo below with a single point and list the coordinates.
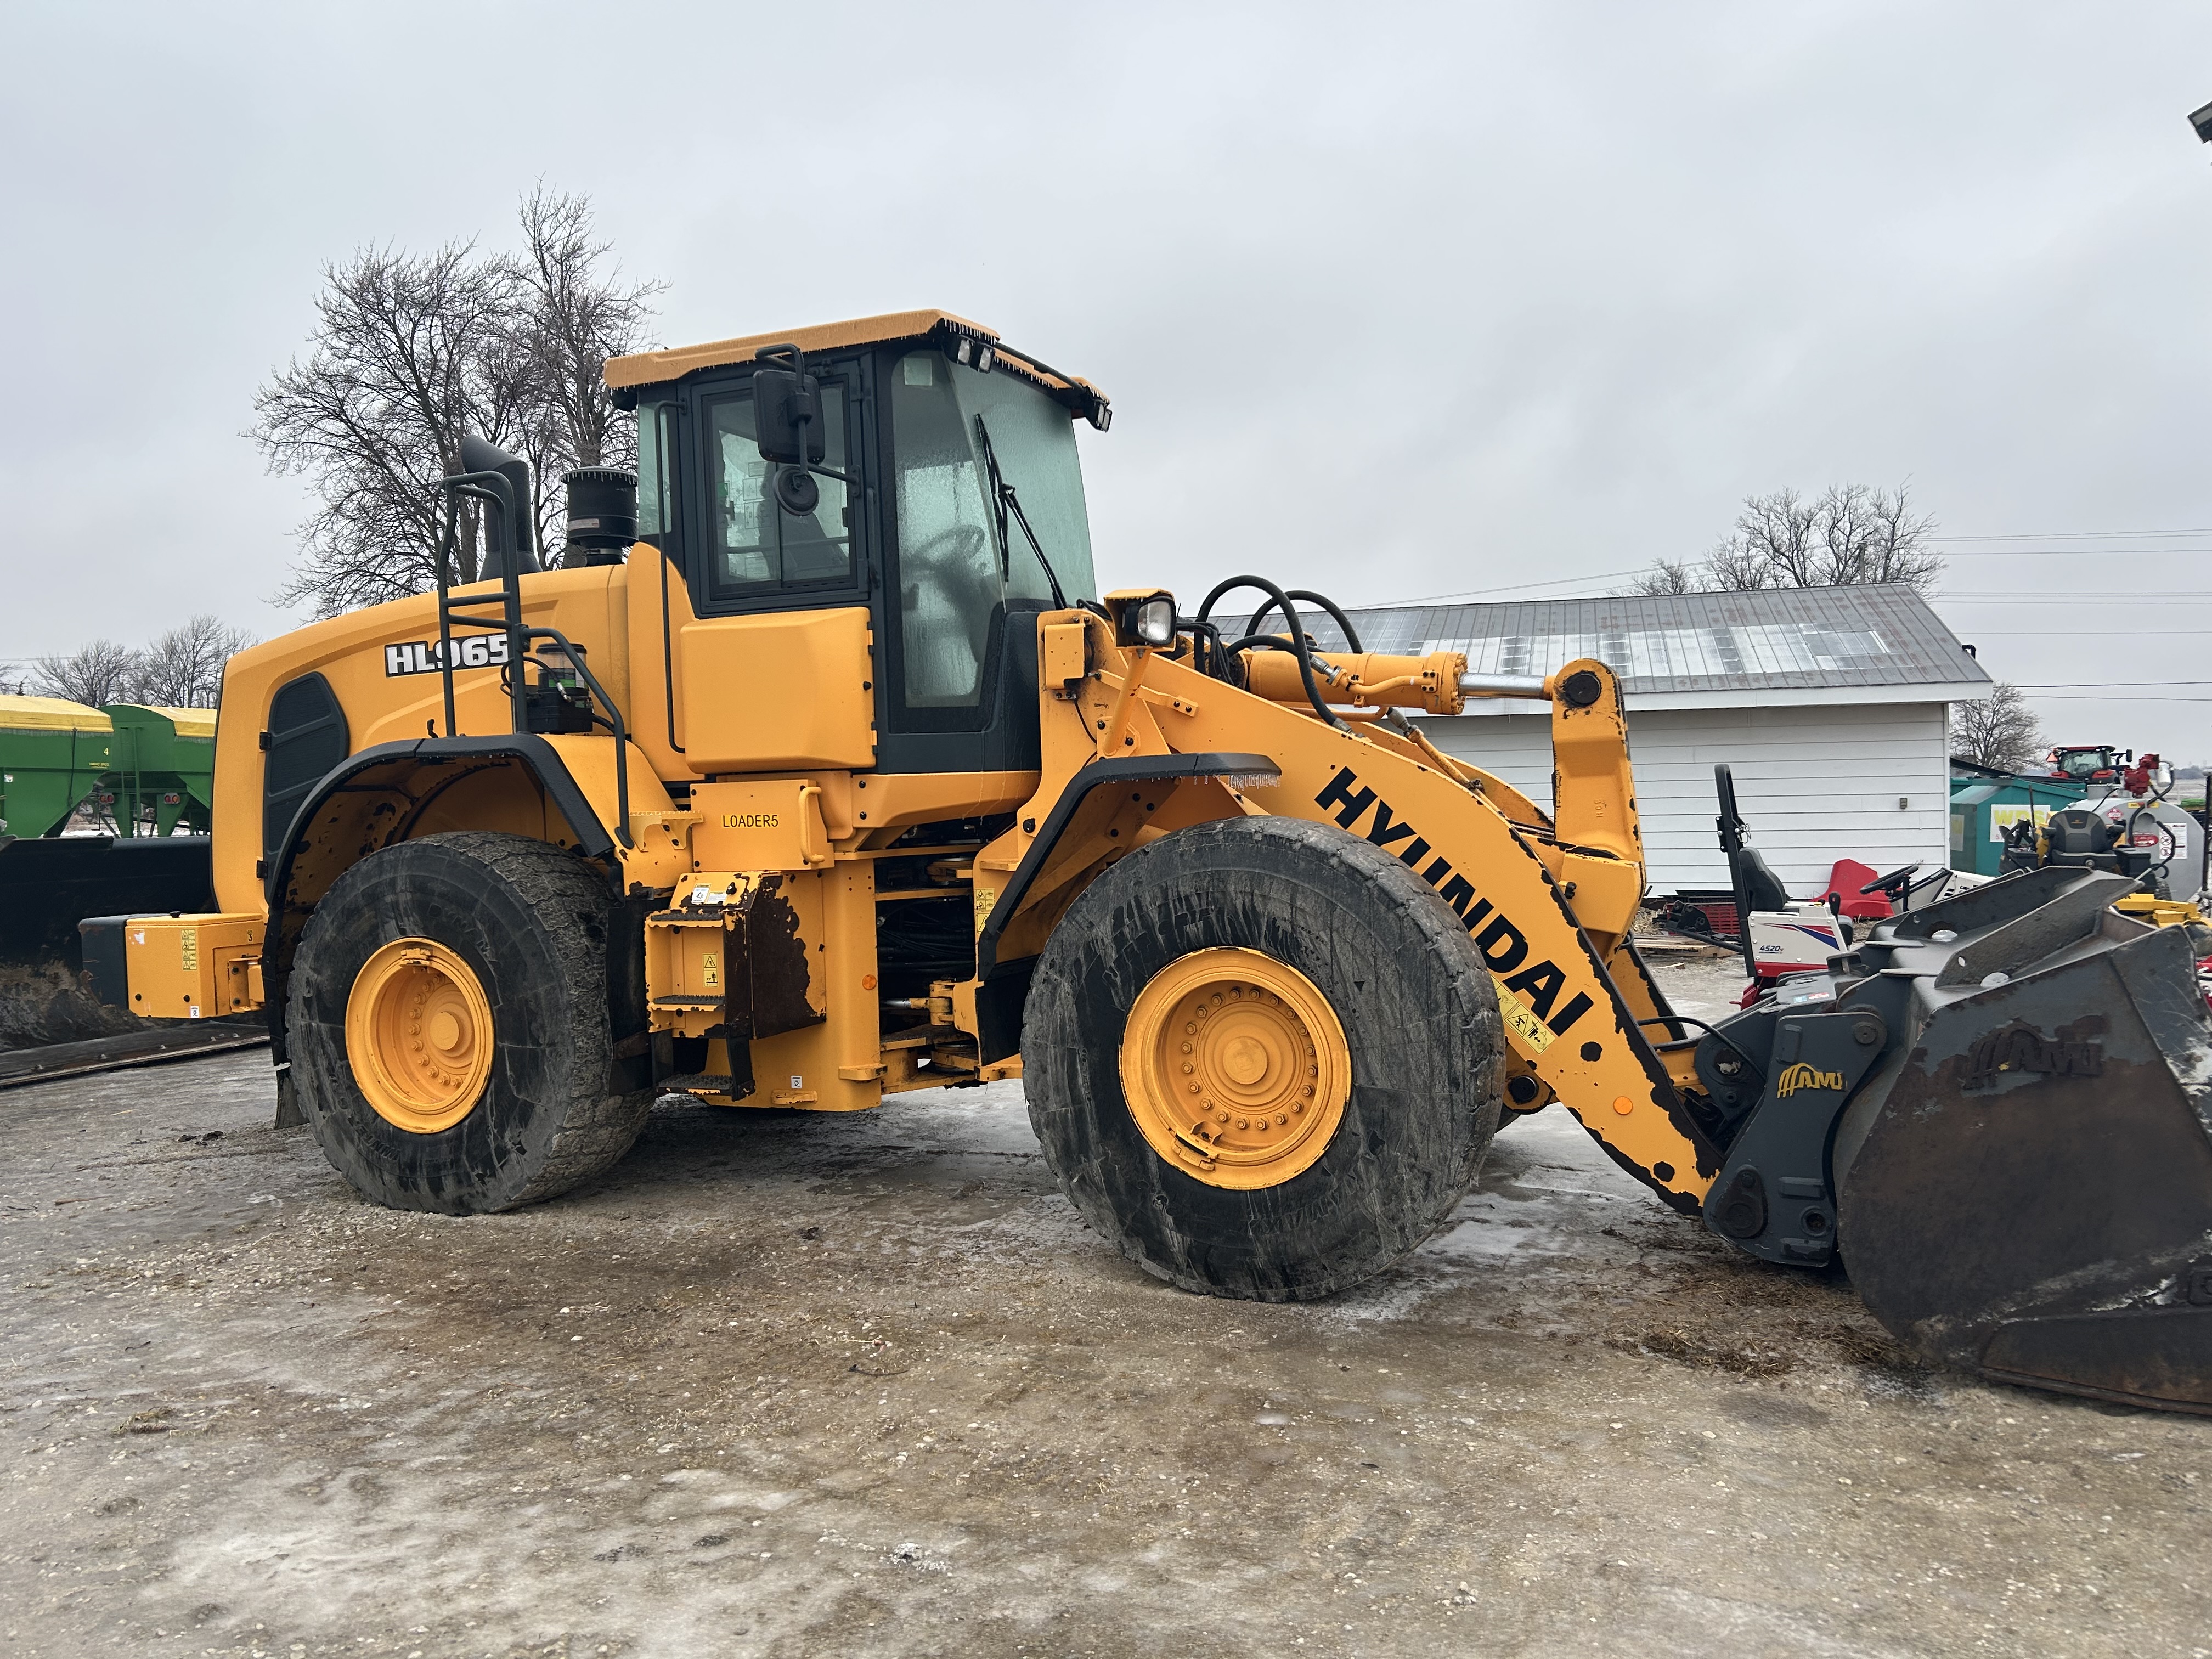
(100, 672)
(2002, 732)
(182, 669)
(411, 351)
(1852, 534)
(395, 375)
(1667, 576)
(574, 315)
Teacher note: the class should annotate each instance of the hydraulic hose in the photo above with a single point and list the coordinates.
(1296, 645)
(1351, 634)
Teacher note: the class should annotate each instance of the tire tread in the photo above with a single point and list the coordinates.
(1351, 884)
(568, 904)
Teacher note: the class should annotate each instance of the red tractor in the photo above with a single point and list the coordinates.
(2095, 763)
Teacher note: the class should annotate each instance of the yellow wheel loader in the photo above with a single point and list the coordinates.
(817, 772)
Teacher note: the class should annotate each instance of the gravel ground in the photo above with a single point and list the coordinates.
(787, 1385)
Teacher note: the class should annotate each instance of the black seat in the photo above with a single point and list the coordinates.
(1757, 887)
(1761, 886)
(2077, 833)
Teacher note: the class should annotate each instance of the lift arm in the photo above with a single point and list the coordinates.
(1549, 905)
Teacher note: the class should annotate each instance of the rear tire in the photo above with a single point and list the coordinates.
(519, 930)
(1418, 1016)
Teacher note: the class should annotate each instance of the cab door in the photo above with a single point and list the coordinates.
(774, 673)
(962, 591)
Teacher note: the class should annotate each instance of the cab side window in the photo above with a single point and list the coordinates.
(951, 575)
(754, 548)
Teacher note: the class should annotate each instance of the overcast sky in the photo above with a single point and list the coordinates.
(1392, 300)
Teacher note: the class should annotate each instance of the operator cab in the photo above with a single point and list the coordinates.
(908, 463)
(2090, 763)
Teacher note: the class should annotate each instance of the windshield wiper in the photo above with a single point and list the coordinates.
(1004, 501)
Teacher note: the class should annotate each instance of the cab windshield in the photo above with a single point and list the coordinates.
(2086, 762)
(961, 557)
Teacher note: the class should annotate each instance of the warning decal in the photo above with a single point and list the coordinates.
(1521, 1019)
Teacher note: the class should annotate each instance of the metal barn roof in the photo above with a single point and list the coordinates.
(1869, 644)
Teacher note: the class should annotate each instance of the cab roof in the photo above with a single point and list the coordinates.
(644, 369)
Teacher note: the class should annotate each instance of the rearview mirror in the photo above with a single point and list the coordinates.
(788, 411)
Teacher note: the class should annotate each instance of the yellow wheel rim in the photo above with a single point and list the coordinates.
(1235, 1068)
(419, 1035)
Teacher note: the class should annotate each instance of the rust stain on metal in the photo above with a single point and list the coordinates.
(784, 997)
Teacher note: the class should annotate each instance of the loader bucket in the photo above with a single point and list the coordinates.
(47, 885)
(2025, 1188)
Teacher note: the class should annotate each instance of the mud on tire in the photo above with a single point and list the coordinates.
(531, 922)
(1420, 1014)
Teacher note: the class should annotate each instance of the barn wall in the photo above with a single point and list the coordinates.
(1816, 782)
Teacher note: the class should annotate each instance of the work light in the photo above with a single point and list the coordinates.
(1142, 616)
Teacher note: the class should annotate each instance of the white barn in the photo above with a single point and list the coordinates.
(1832, 705)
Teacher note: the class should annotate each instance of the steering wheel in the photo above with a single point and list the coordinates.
(1882, 883)
(957, 544)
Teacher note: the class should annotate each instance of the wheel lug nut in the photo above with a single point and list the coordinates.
(1280, 1120)
(1243, 1123)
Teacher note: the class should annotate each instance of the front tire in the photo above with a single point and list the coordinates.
(1167, 1011)
(447, 1022)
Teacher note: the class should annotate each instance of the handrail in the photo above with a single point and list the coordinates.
(810, 794)
(495, 487)
(614, 723)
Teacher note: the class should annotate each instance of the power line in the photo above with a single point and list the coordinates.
(1476, 593)
(1945, 541)
(2094, 633)
(2072, 535)
(1467, 593)
(2176, 595)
